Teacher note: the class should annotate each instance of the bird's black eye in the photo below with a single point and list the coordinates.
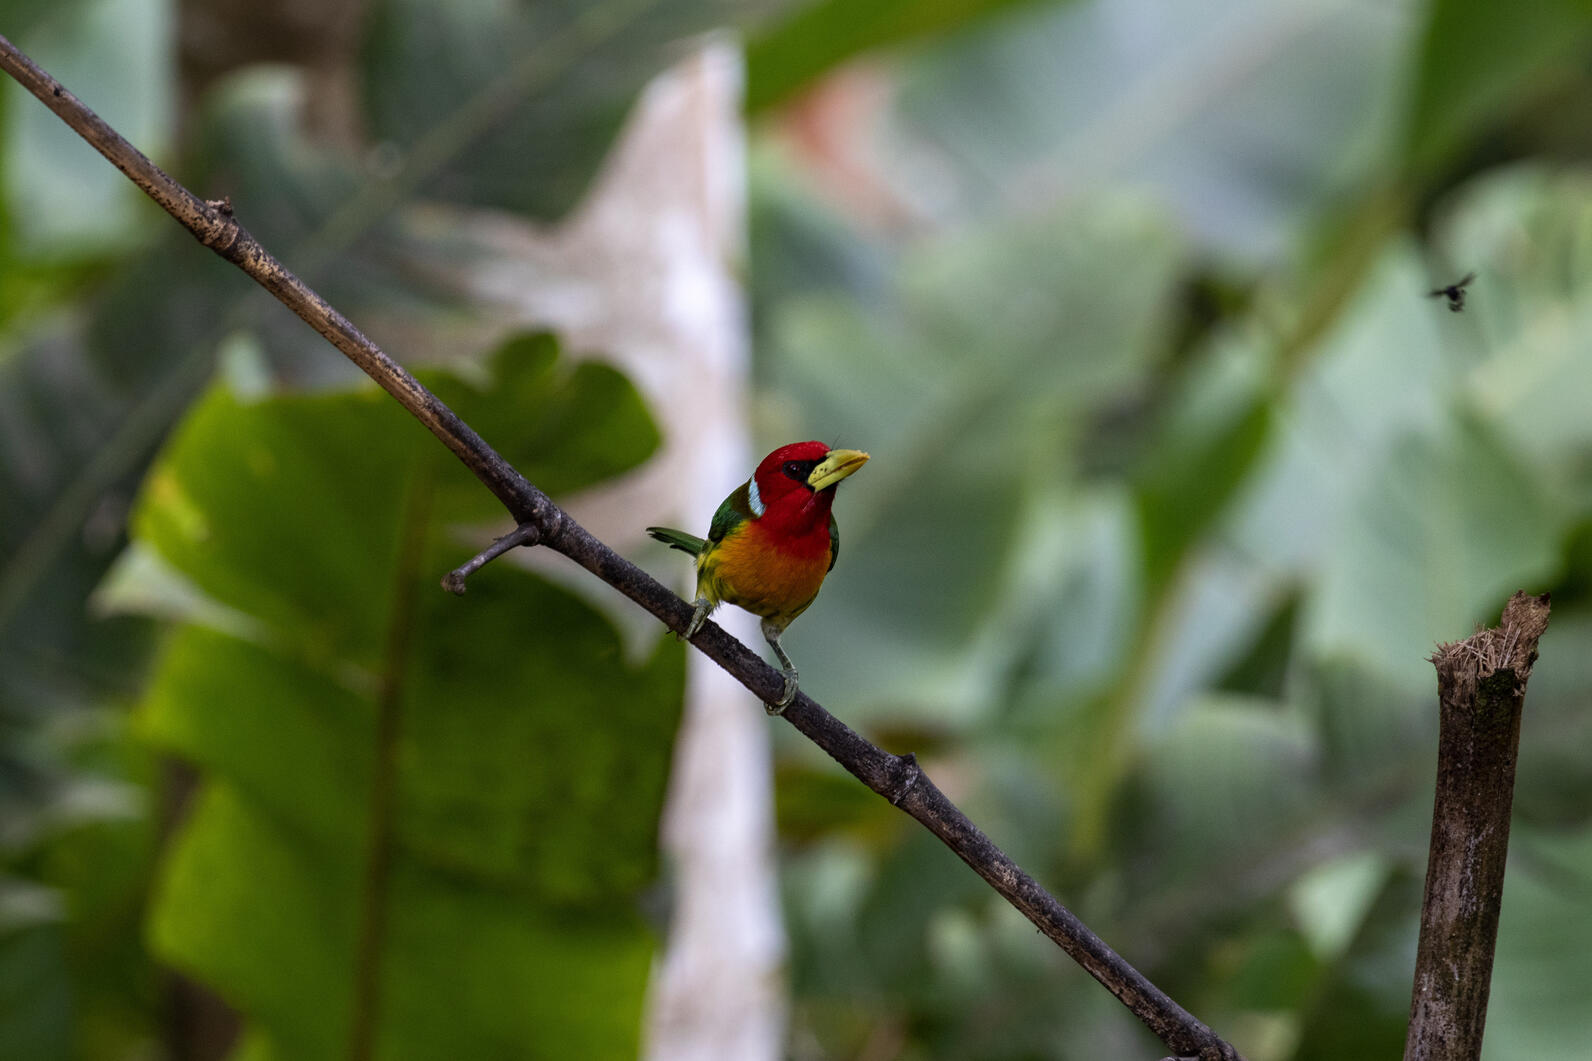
(798, 470)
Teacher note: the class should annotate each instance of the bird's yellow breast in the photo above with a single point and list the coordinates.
(748, 571)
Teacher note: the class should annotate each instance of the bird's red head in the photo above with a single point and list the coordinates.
(793, 475)
(786, 470)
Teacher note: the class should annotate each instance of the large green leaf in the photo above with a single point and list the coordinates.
(214, 519)
(491, 908)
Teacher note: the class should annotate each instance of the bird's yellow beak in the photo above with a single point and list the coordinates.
(836, 465)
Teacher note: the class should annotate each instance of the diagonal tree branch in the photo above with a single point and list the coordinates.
(897, 778)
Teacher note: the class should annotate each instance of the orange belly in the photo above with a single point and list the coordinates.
(748, 572)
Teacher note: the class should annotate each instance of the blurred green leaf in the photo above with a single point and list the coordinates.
(1477, 63)
(1450, 525)
(917, 877)
(323, 211)
(564, 425)
(514, 105)
(1527, 231)
(1247, 119)
(971, 398)
(1216, 791)
(1543, 940)
(529, 757)
(813, 802)
(1362, 1006)
(35, 1002)
(1331, 901)
(1371, 724)
(1275, 972)
(1553, 788)
(819, 36)
(1414, 513)
(62, 201)
(1209, 441)
(61, 665)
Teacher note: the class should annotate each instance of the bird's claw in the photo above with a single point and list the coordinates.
(697, 619)
(786, 697)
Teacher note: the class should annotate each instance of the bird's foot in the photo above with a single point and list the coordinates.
(785, 698)
(697, 619)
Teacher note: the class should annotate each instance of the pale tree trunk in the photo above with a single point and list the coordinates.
(643, 274)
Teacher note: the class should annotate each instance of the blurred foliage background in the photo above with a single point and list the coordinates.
(1178, 477)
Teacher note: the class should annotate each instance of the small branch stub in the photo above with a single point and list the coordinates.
(1481, 685)
(524, 534)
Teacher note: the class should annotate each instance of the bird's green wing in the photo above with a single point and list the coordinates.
(678, 539)
(737, 509)
(834, 542)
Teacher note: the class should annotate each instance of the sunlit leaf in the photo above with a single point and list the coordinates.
(521, 756)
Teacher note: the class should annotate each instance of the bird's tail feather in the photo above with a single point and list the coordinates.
(677, 539)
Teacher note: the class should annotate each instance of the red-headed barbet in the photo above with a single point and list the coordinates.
(771, 543)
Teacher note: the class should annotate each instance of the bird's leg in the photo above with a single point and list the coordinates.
(787, 668)
(697, 619)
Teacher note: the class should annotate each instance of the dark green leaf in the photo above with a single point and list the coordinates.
(1210, 442)
(1478, 61)
(1362, 1005)
(821, 35)
(35, 999)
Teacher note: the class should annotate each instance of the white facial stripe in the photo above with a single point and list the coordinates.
(754, 498)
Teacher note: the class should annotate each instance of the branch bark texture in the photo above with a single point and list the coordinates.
(1481, 685)
(898, 778)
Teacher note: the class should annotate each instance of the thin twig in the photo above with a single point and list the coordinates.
(524, 534)
(897, 778)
